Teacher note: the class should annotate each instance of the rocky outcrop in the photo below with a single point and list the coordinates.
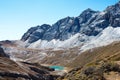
(113, 14)
(35, 33)
(2, 53)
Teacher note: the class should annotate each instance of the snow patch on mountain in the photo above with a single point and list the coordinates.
(73, 41)
(107, 36)
(103, 13)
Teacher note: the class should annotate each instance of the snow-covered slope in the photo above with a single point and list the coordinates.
(107, 36)
(73, 41)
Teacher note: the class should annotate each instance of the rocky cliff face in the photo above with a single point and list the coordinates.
(35, 33)
(88, 24)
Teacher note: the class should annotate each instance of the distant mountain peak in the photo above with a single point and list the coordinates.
(87, 11)
(114, 8)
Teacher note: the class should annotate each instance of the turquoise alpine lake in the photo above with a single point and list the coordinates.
(57, 67)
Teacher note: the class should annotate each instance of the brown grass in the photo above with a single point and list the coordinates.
(110, 52)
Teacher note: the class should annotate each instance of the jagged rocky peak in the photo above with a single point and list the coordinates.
(35, 33)
(114, 8)
(87, 11)
(64, 20)
(86, 15)
(112, 14)
(63, 29)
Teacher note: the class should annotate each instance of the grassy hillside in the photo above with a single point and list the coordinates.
(10, 70)
(109, 52)
(102, 63)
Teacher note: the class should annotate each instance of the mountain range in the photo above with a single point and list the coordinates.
(86, 46)
(90, 29)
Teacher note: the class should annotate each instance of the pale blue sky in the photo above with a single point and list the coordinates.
(17, 16)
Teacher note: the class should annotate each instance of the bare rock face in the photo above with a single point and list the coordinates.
(113, 15)
(35, 33)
